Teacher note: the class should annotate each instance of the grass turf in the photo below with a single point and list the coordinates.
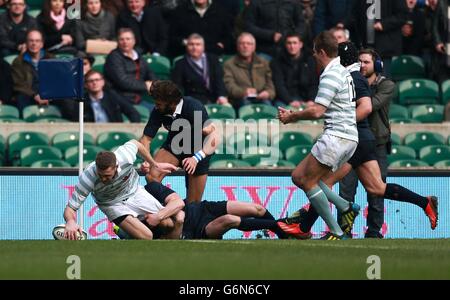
(227, 260)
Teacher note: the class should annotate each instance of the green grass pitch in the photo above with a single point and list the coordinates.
(227, 260)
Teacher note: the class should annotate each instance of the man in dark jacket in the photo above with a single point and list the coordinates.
(148, 25)
(270, 21)
(105, 105)
(294, 74)
(441, 39)
(382, 30)
(330, 13)
(127, 71)
(199, 74)
(6, 86)
(14, 24)
(206, 18)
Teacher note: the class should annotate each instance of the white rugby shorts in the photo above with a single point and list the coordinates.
(333, 151)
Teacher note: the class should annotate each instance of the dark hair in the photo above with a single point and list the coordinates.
(165, 90)
(376, 58)
(124, 30)
(105, 160)
(348, 53)
(327, 42)
(294, 34)
(92, 72)
(45, 14)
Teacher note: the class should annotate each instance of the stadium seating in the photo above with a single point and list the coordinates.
(52, 120)
(109, 140)
(445, 88)
(33, 113)
(160, 65)
(297, 153)
(35, 4)
(396, 139)
(217, 111)
(8, 111)
(64, 55)
(89, 153)
(418, 140)
(50, 163)
(99, 63)
(442, 164)
(403, 121)
(2, 149)
(158, 141)
(398, 112)
(401, 153)
(257, 112)
(418, 91)
(275, 164)
(254, 155)
(31, 154)
(19, 140)
(144, 112)
(64, 140)
(229, 164)
(224, 58)
(10, 58)
(241, 141)
(433, 154)
(427, 113)
(408, 164)
(289, 139)
(407, 67)
(34, 12)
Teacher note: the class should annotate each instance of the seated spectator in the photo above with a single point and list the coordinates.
(270, 21)
(96, 24)
(294, 74)
(14, 24)
(127, 71)
(148, 25)
(247, 76)
(413, 30)
(88, 62)
(59, 31)
(199, 74)
(206, 18)
(341, 34)
(6, 86)
(441, 38)
(25, 71)
(104, 105)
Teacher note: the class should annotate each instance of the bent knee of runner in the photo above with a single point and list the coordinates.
(301, 180)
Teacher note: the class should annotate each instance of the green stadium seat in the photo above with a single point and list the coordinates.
(396, 139)
(433, 154)
(10, 120)
(275, 164)
(297, 153)
(224, 58)
(33, 113)
(10, 58)
(257, 112)
(427, 113)
(445, 88)
(19, 140)
(144, 112)
(418, 91)
(254, 155)
(50, 163)
(444, 164)
(398, 111)
(241, 141)
(229, 164)
(65, 140)
(408, 164)
(175, 59)
(160, 65)
(109, 140)
(31, 154)
(401, 153)
(89, 154)
(157, 141)
(2, 146)
(99, 63)
(403, 121)
(407, 67)
(418, 140)
(288, 139)
(34, 12)
(217, 111)
(9, 111)
(52, 120)
(35, 4)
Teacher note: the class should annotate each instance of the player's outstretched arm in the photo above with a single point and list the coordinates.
(70, 231)
(145, 154)
(174, 204)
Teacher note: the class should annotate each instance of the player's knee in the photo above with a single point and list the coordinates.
(259, 210)
(299, 180)
(146, 235)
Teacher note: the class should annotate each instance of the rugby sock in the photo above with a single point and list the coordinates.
(399, 193)
(267, 216)
(341, 204)
(309, 219)
(123, 235)
(250, 224)
(320, 202)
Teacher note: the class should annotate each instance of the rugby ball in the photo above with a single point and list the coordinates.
(58, 233)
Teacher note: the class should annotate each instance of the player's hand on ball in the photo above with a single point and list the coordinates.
(189, 165)
(71, 229)
(284, 115)
(165, 168)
